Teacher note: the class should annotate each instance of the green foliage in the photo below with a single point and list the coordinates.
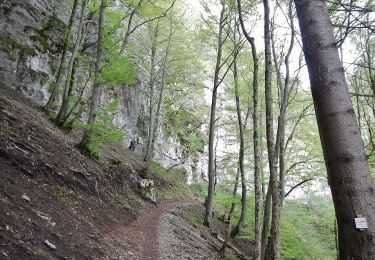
(185, 125)
(307, 229)
(39, 252)
(12, 43)
(80, 241)
(62, 193)
(307, 225)
(103, 129)
(178, 190)
(119, 72)
(16, 131)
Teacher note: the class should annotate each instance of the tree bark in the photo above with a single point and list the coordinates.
(346, 163)
(272, 159)
(65, 102)
(211, 177)
(161, 95)
(154, 36)
(285, 88)
(257, 179)
(235, 187)
(266, 222)
(237, 229)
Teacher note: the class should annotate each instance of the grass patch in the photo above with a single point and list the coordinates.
(62, 193)
(174, 184)
(12, 43)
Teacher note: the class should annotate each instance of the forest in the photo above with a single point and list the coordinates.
(201, 129)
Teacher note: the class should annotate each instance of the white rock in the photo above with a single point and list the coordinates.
(49, 244)
(25, 197)
(146, 183)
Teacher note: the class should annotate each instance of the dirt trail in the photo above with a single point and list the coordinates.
(141, 235)
(144, 230)
(159, 232)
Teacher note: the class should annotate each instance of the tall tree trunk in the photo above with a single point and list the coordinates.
(285, 90)
(257, 179)
(153, 64)
(211, 177)
(65, 101)
(344, 154)
(266, 222)
(77, 102)
(85, 142)
(53, 98)
(161, 95)
(272, 159)
(235, 187)
(215, 159)
(237, 229)
(128, 28)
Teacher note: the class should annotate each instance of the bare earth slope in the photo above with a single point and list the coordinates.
(58, 204)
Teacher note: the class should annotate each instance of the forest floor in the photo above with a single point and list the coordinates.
(56, 203)
(162, 232)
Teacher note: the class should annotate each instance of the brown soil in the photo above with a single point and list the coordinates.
(86, 208)
(142, 234)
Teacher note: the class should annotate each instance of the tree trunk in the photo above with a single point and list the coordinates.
(285, 90)
(266, 222)
(257, 163)
(235, 187)
(161, 95)
(272, 159)
(211, 177)
(237, 229)
(85, 142)
(53, 98)
(128, 28)
(148, 153)
(65, 102)
(346, 163)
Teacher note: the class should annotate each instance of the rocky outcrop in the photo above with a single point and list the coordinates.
(31, 38)
(31, 33)
(146, 188)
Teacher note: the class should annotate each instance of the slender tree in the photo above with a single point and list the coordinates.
(68, 34)
(274, 243)
(151, 83)
(257, 179)
(85, 142)
(211, 136)
(71, 66)
(236, 230)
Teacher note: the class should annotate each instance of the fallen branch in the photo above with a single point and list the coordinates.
(230, 245)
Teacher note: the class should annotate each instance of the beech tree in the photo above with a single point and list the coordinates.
(256, 146)
(68, 35)
(346, 163)
(67, 86)
(211, 175)
(86, 139)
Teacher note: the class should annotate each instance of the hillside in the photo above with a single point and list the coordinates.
(187, 129)
(59, 204)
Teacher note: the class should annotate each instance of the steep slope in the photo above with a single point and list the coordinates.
(58, 204)
(49, 191)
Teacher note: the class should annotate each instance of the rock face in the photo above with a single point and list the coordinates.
(31, 33)
(31, 38)
(146, 188)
